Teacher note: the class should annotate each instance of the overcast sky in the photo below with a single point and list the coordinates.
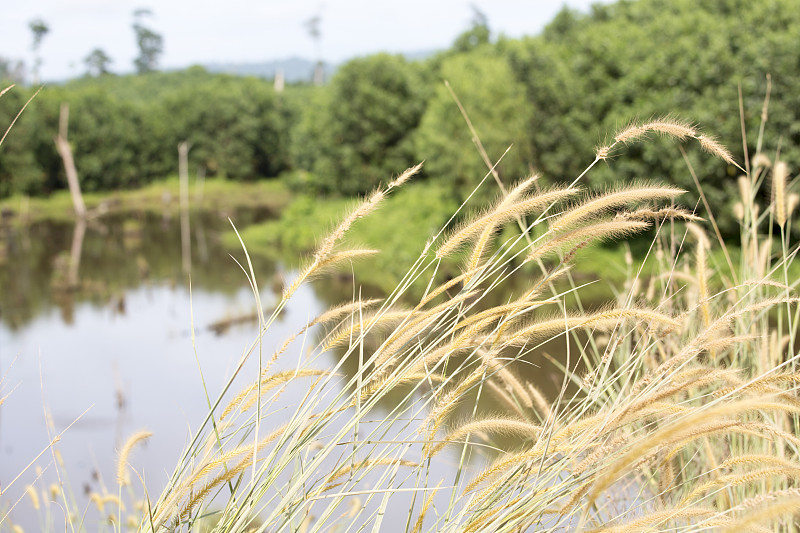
(241, 31)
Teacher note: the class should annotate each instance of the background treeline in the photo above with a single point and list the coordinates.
(553, 96)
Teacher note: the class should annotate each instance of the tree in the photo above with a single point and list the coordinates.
(589, 75)
(495, 103)
(39, 28)
(357, 134)
(11, 71)
(476, 35)
(150, 43)
(97, 62)
(312, 25)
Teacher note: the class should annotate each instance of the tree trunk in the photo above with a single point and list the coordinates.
(65, 151)
(183, 174)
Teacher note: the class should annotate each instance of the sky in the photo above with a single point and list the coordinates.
(246, 31)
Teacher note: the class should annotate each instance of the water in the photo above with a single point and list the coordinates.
(111, 352)
(121, 343)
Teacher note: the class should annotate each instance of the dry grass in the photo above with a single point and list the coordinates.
(680, 421)
(685, 417)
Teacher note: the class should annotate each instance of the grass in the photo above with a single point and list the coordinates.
(684, 416)
(214, 194)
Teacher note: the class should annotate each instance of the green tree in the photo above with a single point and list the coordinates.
(234, 124)
(477, 35)
(97, 62)
(356, 132)
(588, 75)
(150, 43)
(495, 103)
(39, 28)
(312, 26)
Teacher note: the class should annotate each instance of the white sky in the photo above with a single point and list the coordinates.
(243, 31)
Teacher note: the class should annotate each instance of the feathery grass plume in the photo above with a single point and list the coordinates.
(338, 311)
(599, 453)
(505, 397)
(331, 314)
(596, 231)
(361, 210)
(499, 215)
(784, 508)
(665, 213)
(96, 499)
(207, 468)
(518, 461)
(362, 465)
(466, 340)
(756, 501)
(792, 201)
(366, 324)
(767, 431)
(267, 383)
(539, 399)
(418, 322)
(30, 491)
(510, 311)
(714, 147)
(761, 160)
(657, 518)
(760, 460)
(406, 175)
(745, 190)
(700, 379)
(702, 270)
(485, 237)
(123, 477)
(227, 474)
(603, 320)
(112, 498)
(447, 402)
(342, 256)
(690, 426)
(379, 382)
(732, 480)
(441, 289)
(498, 369)
(738, 211)
(501, 425)
(603, 203)
(425, 506)
(780, 174)
(665, 126)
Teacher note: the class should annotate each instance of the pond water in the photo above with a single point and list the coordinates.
(96, 349)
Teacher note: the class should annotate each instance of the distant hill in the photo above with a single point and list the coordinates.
(295, 69)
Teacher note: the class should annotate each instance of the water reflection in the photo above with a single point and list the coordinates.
(100, 334)
(96, 331)
(61, 264)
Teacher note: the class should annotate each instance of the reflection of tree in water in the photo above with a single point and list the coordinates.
(60, 264)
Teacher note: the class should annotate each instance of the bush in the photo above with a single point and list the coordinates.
(356, 131)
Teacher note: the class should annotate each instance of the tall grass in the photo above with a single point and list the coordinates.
(685, 416)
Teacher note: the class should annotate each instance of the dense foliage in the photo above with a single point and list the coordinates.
(550, 96)
(124, 131)
(357, 133)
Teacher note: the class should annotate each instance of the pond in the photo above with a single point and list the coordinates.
(130, 336)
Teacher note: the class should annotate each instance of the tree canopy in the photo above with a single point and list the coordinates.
(553, 97)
